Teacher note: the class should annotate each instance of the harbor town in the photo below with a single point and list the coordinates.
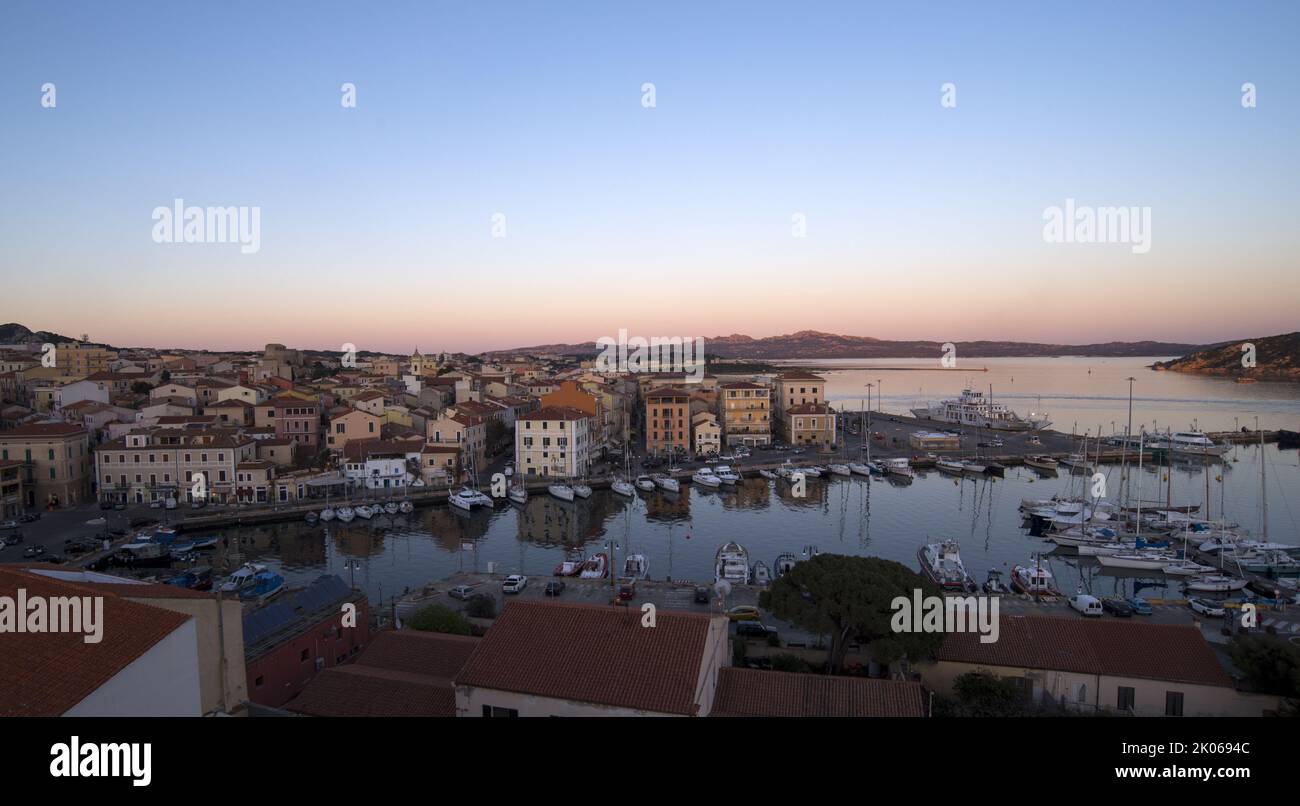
(255, 487)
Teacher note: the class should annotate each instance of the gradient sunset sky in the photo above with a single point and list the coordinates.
(922, 222)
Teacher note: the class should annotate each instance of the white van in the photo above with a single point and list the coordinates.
(1085, 604)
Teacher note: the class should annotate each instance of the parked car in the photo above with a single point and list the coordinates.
(34, 551)
(754, 629)
(1117, 607)
(13, 539)
(703, 595)
(554, 588)
(515, 583)
(1085, 604)
(9, 524)
(462, 592)
(29, 517)
(744, 613)
(1140, 606)
(1206, 607)
(626, 591)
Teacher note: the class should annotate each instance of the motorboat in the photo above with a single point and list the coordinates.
(572, 565)
(1033, 580)
(840, 470)
(645, 483)
(595, 567)
(784, 564)
(636, 566)
(406, 507)
(760, 575)
(815, 470)
(973, 466)
(859, 468)
(899, 467)
(726, 475)
(623, 487)
(263, 586)
(1268, 563)
(1188, 443)
(666, 482)
(467, 499)
(706, 478)
(327, 514)
(365, 512)
(1045, 464)
(945, 465)
(390, 508)
(346, 514)
(241, 577)
(993, 583)
(1214, 583)
(941, 563)
(731, 563)
(561, 491)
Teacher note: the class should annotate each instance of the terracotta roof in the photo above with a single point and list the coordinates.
(667, 391)
(750, 692)
(431, 654)
(592, 654)
(43, 430)
(1177, 653)
(799, 376)
(809, 408)
(743, 385)
(46, 674)
(554, 413)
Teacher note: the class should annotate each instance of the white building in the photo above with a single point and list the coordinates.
(552, 443)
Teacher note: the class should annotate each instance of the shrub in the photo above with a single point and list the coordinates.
(786, 662)
(480, 605)
(436, 618)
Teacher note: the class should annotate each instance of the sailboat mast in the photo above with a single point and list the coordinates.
(1263, 479)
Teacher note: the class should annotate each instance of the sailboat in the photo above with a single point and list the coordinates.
(620, 485)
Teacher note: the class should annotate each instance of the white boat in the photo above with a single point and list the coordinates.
(784, 564)
(941, 563)
(859, 468)
(623, 487)
(467, 498)
(636, 566)
(518, 493)
(809, 552)
(1034, 580)
(365, 512)
(973, 466)
(840, 470)
(1138, 560)
(582, 491)
(596, 566)
(725, 474)
(1188, 443)
(345, 514)
(761, 576)
(390, 508)
(945, 465)
(815, 470)
(768, 474)
(731, 563)
(327, 514)
(973, 410)
(241, 578)
(1187, 568)
(705, 478)
(561, 491)
(406, 507)
(1045, 463)
(1077, 462)
(666, 482)
(899, 467)
(645, 483)
(1215, 583)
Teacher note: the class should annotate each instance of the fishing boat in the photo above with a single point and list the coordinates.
(993, 583)
(406, 507)
(390, 508)
(241, 577)
(144, 554)
(312, 518)
(345, 514)
(582, 490)
(666, 482)
(1045, 464)
(859, 469)
(467, 499)
(636, 566)
(645, 483)
(198, 578)
(899, 467)
(784, 564)
(327, 514)
(973, 410)
(731, 562)
(705, 478)
(263, 586)
(1214, 583)
(596, 566)
(840, 470)
(561, 491)
(945, 464)
(760, 575)
(941, 563)
(1033, 580)
(623, 487)
(572, 565)
(518, 493)
(1269, 563)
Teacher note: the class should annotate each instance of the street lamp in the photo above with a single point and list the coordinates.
(351, 566)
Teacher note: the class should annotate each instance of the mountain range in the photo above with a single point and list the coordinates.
(1275, 358)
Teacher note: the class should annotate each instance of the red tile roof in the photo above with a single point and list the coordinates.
(592, 654)
(46, 674)
(1177, 653)
(554, 413)
(43, 430)
(750, 692)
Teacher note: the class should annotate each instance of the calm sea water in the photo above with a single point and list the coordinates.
(681, 533)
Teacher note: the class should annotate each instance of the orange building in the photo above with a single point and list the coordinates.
(667, 420)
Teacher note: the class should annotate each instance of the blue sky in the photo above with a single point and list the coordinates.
(923, 222)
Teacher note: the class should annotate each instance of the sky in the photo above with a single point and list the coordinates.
(502, 181)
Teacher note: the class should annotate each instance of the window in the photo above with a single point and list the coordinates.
(303, 656)
(1173, 703)
(1127, 698)
(258, 682)
(492, 710)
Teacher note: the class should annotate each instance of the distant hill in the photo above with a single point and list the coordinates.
(1277, 358)
(815, 344)
(14, 333)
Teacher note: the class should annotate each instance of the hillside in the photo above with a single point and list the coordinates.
(1277, 358)
(14, 333)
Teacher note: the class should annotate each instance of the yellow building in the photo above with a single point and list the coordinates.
(667, 421)
(746, 414)
(80, 360)
(809, 424)
(57, 459)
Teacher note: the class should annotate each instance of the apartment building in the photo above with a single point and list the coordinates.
(465, 431)
(667, 421)
(571, 395)
(350, 425)
(79, 360)
(160, 463)
(706, 434)
(746, 414)
(57, 458)
(297, 419)
(553, 442)
(14, 483)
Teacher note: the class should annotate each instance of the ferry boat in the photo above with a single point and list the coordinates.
(731, 563)
(941, 563)
(973, 410)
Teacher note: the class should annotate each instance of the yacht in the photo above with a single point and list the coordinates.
(666, 482)
(636, 566)
(596, 566)
(623, 487)
(645, 483)
(345, 514)
(1044, 463)
(1152, 560)
(899, 467)
(945, 465)
(1188, 443)
(364, 512)
(941, 563)
(732, 564)
(761, 576)
(582, 491)
(973, 410)
(1187, 568)
(783, 565)
(468, 498)
(241, 578)
(1214, 583)
(1077, 462)
(840, 470)
(561, 491)
(518, 493)
(726, 475)
(705, 478)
